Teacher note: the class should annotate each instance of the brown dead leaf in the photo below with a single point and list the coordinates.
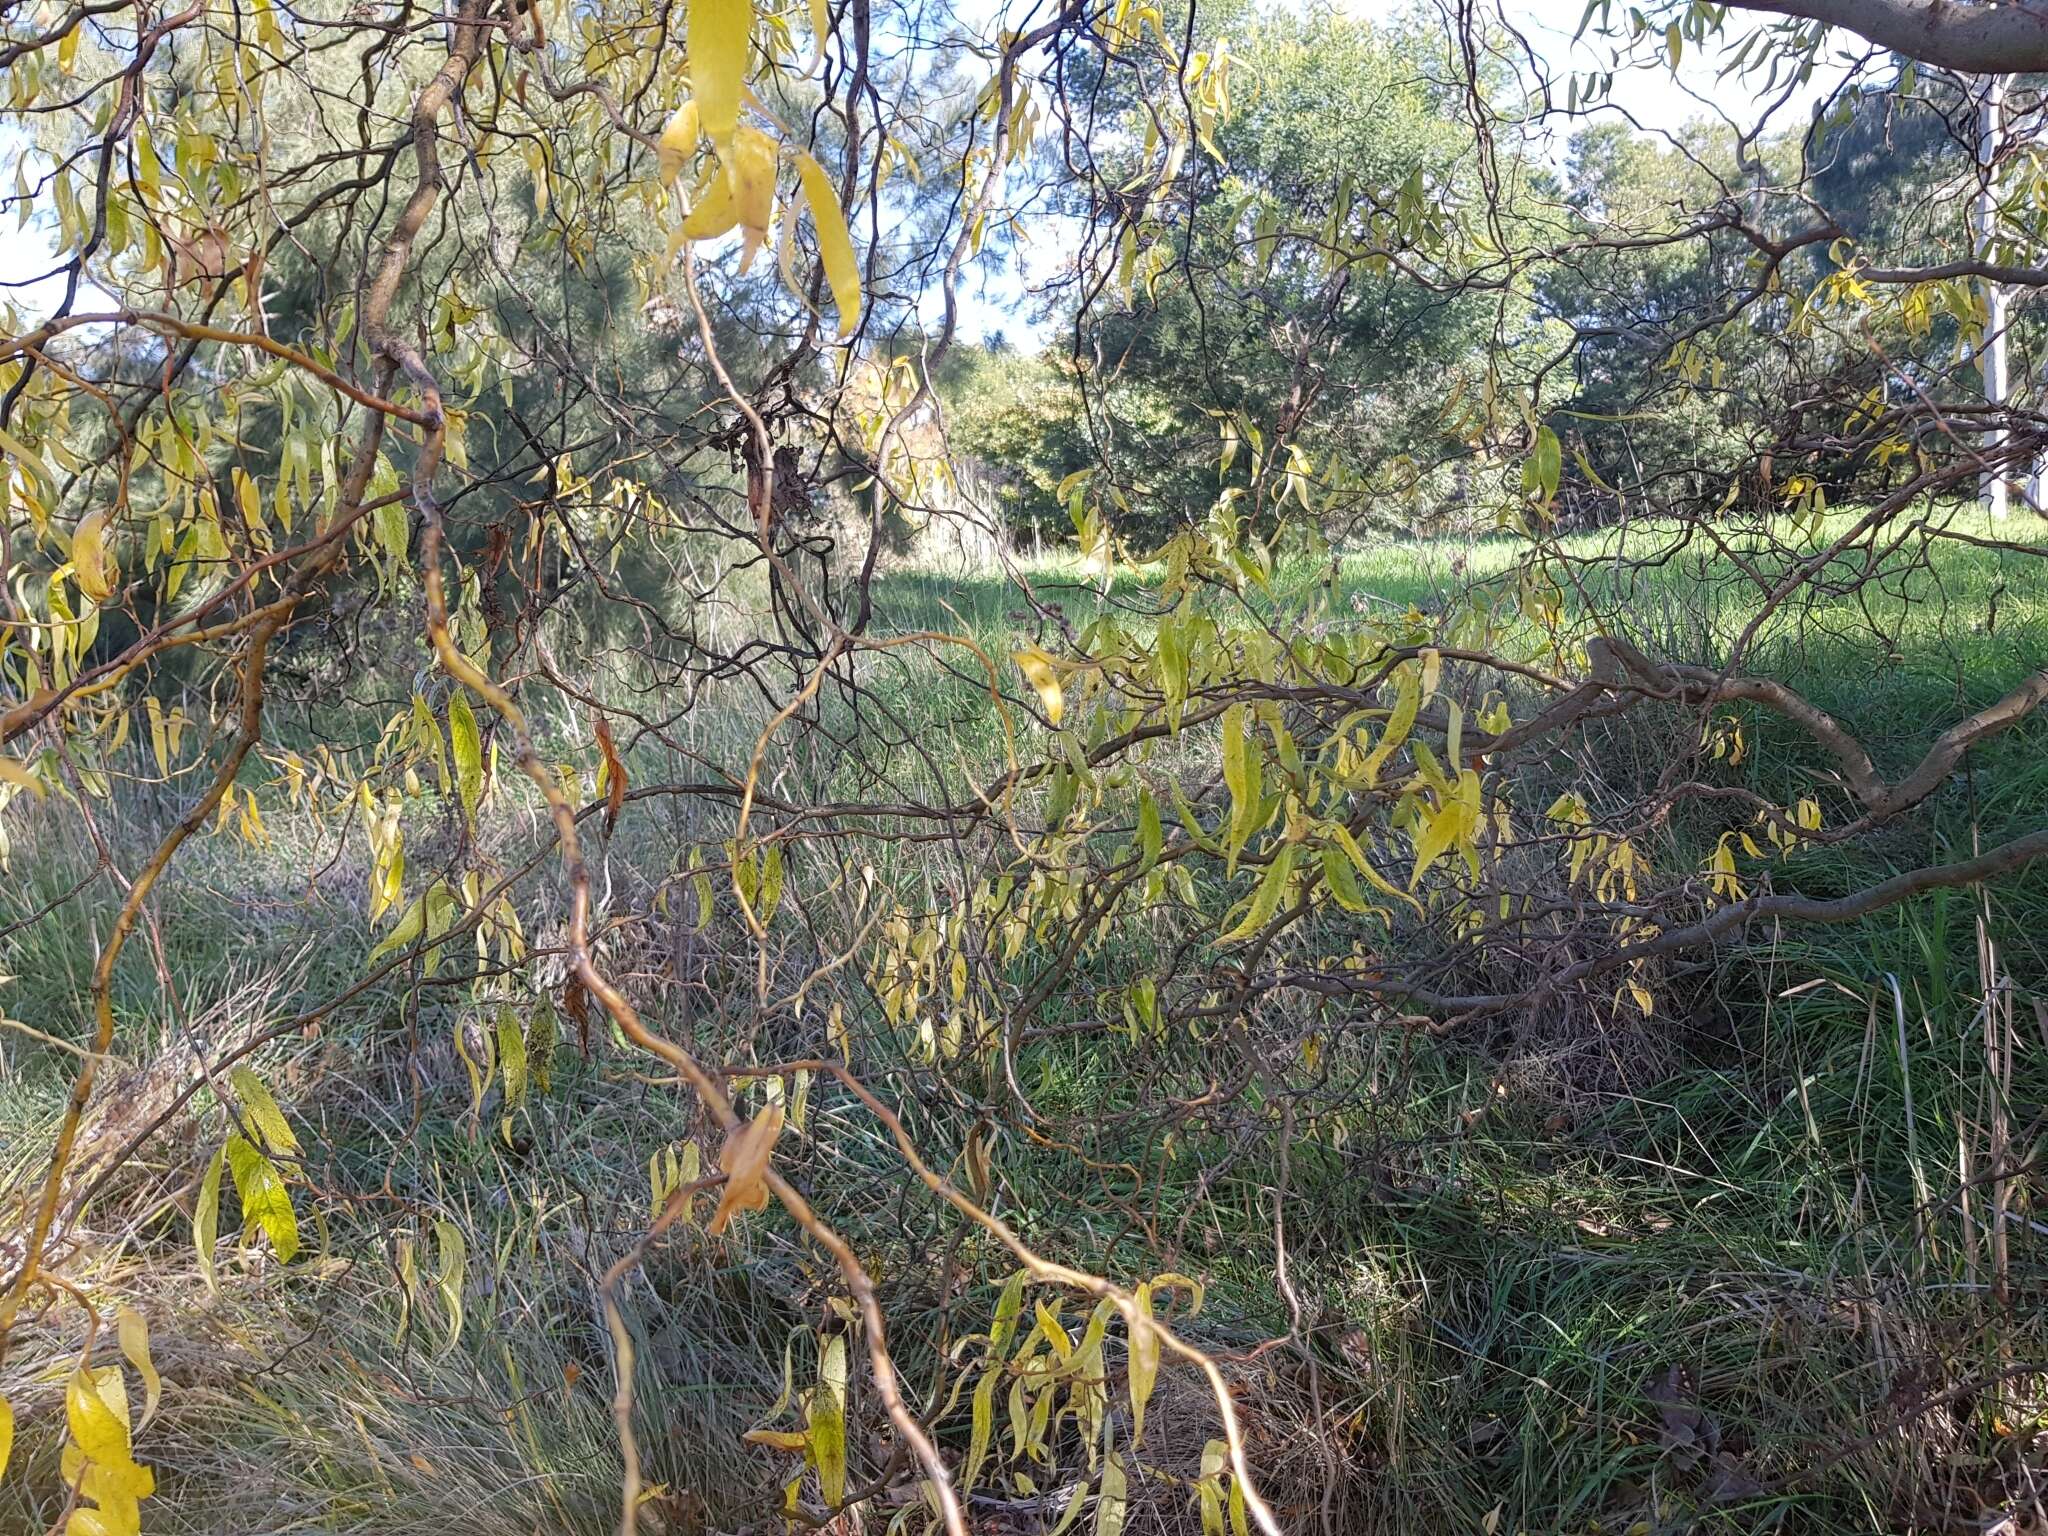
(744, 1157)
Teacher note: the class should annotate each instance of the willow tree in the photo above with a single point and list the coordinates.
(524, 355)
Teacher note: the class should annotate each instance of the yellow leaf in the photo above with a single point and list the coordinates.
(451, 1261)
(751, 167)
(1440, 832)
(716, 212)
(133, 1331)
(1407, 702)
(14, 771)
(1037, 668)
(96, 1410)
(1356, 854)
(90, 562)
(6, 1433)
(716, 33)
(679, 141)
(744, 1157)
(835, 246)
(411, 925)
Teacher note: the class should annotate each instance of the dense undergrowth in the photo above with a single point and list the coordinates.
(1765, 1259)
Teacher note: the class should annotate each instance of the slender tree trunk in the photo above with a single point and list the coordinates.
(1990, 126)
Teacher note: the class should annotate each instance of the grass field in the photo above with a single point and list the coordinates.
(1747, 1275)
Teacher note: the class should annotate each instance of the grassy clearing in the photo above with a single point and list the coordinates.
(1747, 1275)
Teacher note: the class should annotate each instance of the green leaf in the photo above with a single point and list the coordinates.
(1547, 463)
(206, 1216)
(1266, 899)
(1342, 880)
(1151, 835)
(543, 1033)
(467, 745)
(1191, 824)
(1407, 701)
(1241, 775)
(826, 1421)
(771, 884)
(452, 1256)
(262, 1112)
(512, 1063)
(266, 1203)
(408, 928)
(1144, 1345)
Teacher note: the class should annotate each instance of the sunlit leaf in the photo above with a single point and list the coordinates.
(266, 1203)
(835, 246)
(262, 1113)
(715, 35)
(716, 213)
(15, 772)
(679, 141)
(1038, 671)
(90, 562)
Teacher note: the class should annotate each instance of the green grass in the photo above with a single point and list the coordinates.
(1503, 1246)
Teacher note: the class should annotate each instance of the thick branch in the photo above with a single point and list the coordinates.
(1972, 39)
(1881, 801)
